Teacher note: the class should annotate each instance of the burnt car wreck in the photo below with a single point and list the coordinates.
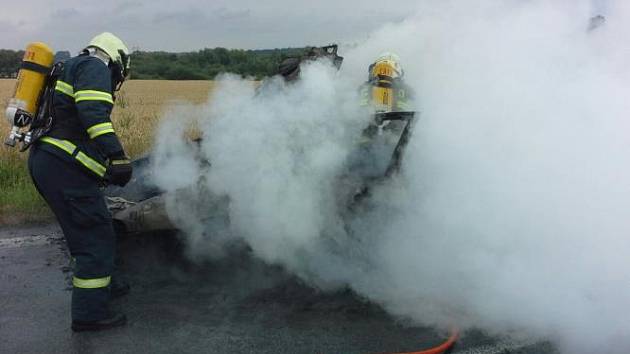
(378, 152)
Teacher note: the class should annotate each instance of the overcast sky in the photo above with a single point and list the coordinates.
(182, 25)
(193, 24)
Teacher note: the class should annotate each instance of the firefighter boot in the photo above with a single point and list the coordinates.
(115, 319)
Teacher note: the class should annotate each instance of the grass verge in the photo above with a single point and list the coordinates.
(19, 200)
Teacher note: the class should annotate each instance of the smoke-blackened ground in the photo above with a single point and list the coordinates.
(510, 211)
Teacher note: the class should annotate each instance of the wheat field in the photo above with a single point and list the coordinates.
(138, 110)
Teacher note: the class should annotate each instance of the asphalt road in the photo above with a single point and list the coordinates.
(235, 305)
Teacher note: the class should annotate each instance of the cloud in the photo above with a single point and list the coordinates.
(192, 24)
(65, 13)
(125, 7)
(190, 18)
(230, 14)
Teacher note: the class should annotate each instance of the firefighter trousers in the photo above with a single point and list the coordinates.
(77, 201)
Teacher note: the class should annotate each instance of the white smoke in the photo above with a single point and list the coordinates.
(511, 212)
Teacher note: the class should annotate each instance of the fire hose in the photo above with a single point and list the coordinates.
(440, 349)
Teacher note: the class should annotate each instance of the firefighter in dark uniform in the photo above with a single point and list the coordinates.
(69, 165)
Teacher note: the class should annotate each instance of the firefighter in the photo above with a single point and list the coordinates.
(385, 90)
(384, 94)
(69, 165)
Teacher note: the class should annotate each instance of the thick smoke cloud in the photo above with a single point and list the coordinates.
(511, 210)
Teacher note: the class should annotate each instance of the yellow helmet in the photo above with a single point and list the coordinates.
(115, 49)
(387, 64)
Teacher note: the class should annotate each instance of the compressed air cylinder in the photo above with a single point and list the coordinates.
(36, 64)
(382, 91)
(382, 98)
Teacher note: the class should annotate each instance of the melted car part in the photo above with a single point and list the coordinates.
(289, 68)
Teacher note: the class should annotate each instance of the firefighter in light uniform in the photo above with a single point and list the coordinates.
(80, 154)
(385, 90)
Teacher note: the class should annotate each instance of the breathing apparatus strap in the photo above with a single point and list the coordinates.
(38, 68)
(383, 81)
(43, 119)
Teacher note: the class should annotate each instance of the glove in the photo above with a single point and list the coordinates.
(118, 171)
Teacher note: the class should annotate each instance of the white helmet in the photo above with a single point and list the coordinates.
(115, 49)
(391, 64)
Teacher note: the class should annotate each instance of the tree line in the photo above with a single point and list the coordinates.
(204, 64)
(10, 62)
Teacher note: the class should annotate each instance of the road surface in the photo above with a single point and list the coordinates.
(235, 305)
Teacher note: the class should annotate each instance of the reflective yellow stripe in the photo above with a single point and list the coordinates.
(100, 129)
(91, 164)
(92, 95)
(94, 283)
(83, 95)
(403, 105)
(120, 162)
(364, 96)
(64, 88)
(84, 159)
(64, 145)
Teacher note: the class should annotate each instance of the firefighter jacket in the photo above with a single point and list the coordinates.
(401, 95)
(82, 130)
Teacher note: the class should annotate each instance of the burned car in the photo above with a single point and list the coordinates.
(141, 206)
